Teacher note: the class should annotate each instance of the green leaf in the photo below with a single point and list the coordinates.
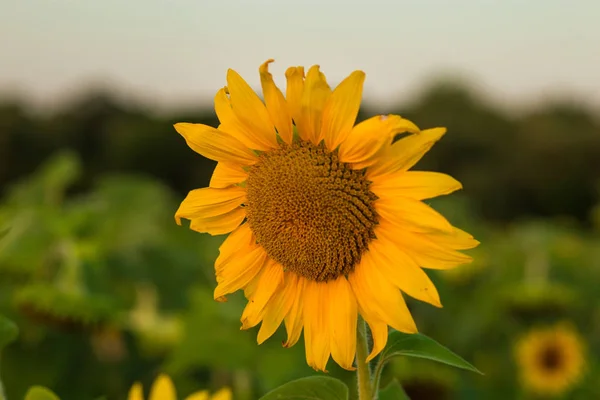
(393, 391)
(421, 346)
(40, 393)
(8, 331)
(310, 388)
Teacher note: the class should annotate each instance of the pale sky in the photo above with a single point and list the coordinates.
(177, 52)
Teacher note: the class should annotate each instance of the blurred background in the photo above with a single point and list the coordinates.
(107, 290)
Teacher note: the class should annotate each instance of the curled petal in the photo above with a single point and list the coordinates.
(276, 105)
(315, 96)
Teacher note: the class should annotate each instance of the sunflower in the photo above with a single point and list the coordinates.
(550, 360)
(326, 221)
(163, 389)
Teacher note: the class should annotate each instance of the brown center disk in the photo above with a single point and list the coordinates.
(310, 212)
(551, 358)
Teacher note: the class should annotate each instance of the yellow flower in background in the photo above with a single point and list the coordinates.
(326, 221)
(551, 360)
(163, 389)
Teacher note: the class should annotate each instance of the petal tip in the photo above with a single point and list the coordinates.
(442, 131)
(180, 127)
(232, 74)
(291, 71)
(372, 356)
(218, 294)
(264, 67)
(358, 74)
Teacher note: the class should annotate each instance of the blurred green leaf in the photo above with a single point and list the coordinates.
(393, 391)
(421, 346)
(40, 393)
(8, 331)
(313, 387)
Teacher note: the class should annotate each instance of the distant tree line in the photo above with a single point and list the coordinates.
(545, 162)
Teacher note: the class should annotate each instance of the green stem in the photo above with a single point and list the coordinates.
(363, 370)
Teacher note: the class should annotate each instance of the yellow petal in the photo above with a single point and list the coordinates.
(241, 241)
(294, 320)
(315, 96)
(423, 247)
(316, 324)
(250, 110)
(210, 202)
(223, 394)
(270, 280)
(403, 271)
(202, 395)
(215, 144)
(163, 389)
(239, 271)
(379, 334)
(367, 139)
(278, 307)
(231, 123)
(293, 97)
(276, 105)
(221, 224)
(339, 114)
(251, 287)
(417, 185)
(406, 152)
(379, 299)
(456, 240)
(136, 392)
(227, 174)
(343, 320)
(414, 215)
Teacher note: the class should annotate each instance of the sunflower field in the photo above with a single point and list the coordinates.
(104, 296)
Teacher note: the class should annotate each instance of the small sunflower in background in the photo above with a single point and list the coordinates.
(550, 360)
(163, 389)
(326, 220)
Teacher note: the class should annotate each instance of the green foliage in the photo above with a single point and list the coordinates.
(393, 391)
(421, 346)
(8, 332)
(59, 307)
(313, 387)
